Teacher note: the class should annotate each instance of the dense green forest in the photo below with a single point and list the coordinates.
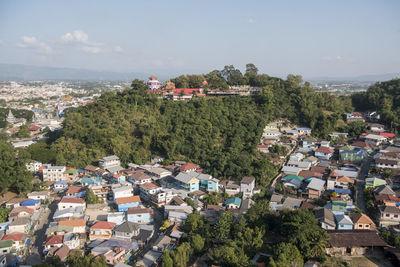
(220, 134)
(383, 97)
(13, 174)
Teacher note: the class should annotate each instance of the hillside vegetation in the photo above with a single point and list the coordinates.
(220, 134)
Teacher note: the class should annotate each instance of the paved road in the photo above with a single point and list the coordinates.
(40, 234)
(271, 187)
(158, 220)
(361, 183)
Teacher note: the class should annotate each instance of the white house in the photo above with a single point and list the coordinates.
(374, 139)
(110, 161)
(123, 191)
(71, 202)
(53, 173)
(34, 166)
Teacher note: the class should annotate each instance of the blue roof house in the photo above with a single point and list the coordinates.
(31, 203)
(233, 203)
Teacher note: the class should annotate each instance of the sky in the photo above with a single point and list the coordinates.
(313, 38)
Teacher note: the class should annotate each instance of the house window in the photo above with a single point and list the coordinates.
(360, 225)
(396, 216)
(387, 215)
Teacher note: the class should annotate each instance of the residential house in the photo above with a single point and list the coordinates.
(387, 163)
(188, 167)
(110, 161)
(20, 225)
(324, 153)
(122, 191)
(31, 203)
(387, 200)
(325, 219)
(315, 188)
(116, 217)
(290, 170)
(123, 203)
(71, 202)
(352, 154)
(34, 166)
(343, 222)
(296, 157)
(162, 197)
(139, 177)
(20, 212)
(187, 181)
(362, 222)
(53, 241)
(157, 173)
(308, 142)
(126, 231)
(290, 204)
(303, 131)
(19, 240)
(6, 246)
(73, 240)
(70, 213)
(149, 189)
(375, 140)
(233, 203)
(303, 165)
(75, 191)
(53, 173)
(354, 242)
(4, 226)
(354, 116)
(247, 185)
(343, 182)
(60, 252)
(384, 190)
(230, 187)
(70, 175)
(389, 215)
(374, 182)
(60, 185)
(140, 215)
(39, 195)
(101, 230)
(77, 225)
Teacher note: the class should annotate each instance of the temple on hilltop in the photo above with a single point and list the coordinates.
(153, 83)
(169, 87)
(10, 117)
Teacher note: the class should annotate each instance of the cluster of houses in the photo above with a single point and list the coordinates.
(321, 175)
(131, 205)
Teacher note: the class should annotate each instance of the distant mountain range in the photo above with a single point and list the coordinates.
(361, 78)
(16, 72)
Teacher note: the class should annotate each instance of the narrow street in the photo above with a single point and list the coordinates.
(35, 254)
(359, 196)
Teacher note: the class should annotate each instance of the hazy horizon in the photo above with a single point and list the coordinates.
(310, 38)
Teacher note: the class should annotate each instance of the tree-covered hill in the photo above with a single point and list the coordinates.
(220, 134)
(383, 97)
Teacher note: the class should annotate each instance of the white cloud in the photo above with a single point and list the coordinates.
(34, 43)
(92, 49)
(118, 49)
(1, 42)
(251, 21)
(81, 39)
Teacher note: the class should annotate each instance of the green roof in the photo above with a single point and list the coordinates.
(291, 176)
(73, 171)
(339, 204)
(6, 243)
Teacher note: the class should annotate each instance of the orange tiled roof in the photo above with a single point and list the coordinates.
(79, 222)
(124, 200)
(103, 225)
